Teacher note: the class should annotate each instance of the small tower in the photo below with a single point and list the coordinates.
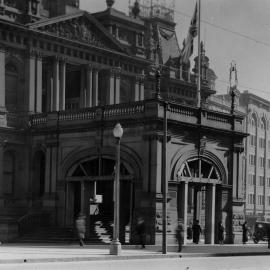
(110, 3)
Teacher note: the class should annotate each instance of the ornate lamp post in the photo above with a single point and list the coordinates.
(115, 247)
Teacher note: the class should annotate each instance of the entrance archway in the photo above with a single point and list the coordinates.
(199, 181)
(90, 190)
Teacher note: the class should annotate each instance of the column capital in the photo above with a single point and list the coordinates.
(116, 71)
(139, 78)
(89, 66)
(62, 59)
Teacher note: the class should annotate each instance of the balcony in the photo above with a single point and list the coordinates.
(150, 110)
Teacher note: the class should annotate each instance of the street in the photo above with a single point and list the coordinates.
(221, 263)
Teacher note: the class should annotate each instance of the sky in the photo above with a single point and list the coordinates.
(232, 30)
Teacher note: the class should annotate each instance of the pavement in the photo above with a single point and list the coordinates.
(42, 253)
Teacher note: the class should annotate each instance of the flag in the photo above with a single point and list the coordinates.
(187, 50)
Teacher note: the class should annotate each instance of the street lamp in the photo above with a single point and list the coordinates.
(115, 247)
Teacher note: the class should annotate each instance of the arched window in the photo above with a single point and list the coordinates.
(9, 173)
(11, 78)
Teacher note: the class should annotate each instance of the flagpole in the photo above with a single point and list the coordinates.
(199, 56)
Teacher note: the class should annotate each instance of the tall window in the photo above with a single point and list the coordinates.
(251, 179)
(251, 160)
(251, 198)
(11, 78)
(252, 140)
(261, 181)
(260, 200)
(9, 173)
(262, 159)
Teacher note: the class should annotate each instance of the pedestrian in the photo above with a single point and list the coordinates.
(80, 226)
(196, 230)
(141, 230)
(245, 231)
(220, 233)
(179, 234)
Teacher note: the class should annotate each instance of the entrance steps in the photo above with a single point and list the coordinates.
(100, 232)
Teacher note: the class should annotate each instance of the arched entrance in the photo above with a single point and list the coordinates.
(199, 185)
(90, 190)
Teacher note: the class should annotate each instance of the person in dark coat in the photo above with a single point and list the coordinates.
(196, 229)
(179, 234)
(141, 230)
(80, 226)
(245, 231)
(220, 233)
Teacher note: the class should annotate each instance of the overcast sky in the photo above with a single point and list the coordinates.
(236, 30)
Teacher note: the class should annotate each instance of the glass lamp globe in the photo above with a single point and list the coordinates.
(118, 131)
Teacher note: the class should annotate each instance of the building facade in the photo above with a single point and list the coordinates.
(67, 77)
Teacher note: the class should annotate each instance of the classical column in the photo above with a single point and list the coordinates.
(82, 90)
(95, 87)
(38, 107)
(56, 84)
(31, 80)
(117, 85)
(137, 88)
(48, 169)
(89, 86)
(142, 88)
(111, 86)
(2, 78)
(82, 197)
(62, 104)
(49, 89)
(210, 206)
(183, 205)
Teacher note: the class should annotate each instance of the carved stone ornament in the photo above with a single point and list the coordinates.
(76, 29)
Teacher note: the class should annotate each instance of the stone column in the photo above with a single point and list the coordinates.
(210, 213)
(56, 84)
(82, 90)
(95, 87)
(38, 83)
(183, 205)
(2, 78)
(111, 87)
(137, 88)
(49, 89)
(62, 104)
(117, 85)
(142, 88)
(89, 86)
(31, 80)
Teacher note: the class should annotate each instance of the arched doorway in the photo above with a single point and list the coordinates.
(90, 190)
(199, 184)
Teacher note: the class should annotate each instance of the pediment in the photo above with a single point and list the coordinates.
(81, 27)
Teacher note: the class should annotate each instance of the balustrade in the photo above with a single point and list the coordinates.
(139, 110)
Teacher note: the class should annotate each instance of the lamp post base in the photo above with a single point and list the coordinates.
(115, 247)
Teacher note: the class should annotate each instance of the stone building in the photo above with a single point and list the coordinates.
(67, 77)
(256, 159)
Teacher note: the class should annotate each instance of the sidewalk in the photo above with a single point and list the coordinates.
(27, 253)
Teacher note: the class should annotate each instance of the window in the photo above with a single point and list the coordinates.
(268, 200)
(251, 179)
(262, 143)
(260, 200)
(250, 198)
(262, 159)
(251, 159)
(252, 140)
(261, 181)
(268, 161)
(268, 182)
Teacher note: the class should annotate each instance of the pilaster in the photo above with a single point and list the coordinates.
(210, 214)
